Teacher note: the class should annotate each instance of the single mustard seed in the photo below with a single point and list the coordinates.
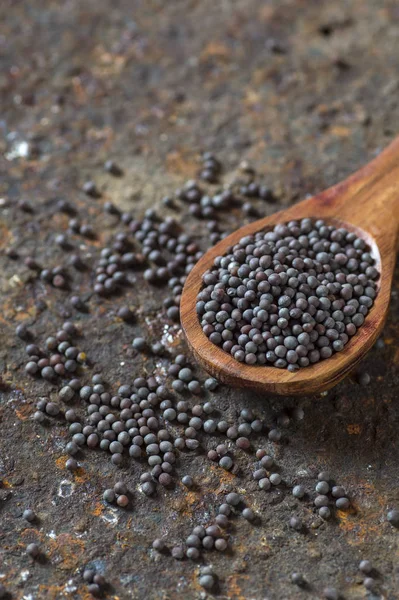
(29, 515)
(207, 581)
(264, 484)
(187, 481)
(393, 517)
(233, 499)
(365, 566)
(248, 514)
(71, 464)
(330, 593)
(298, 579)
(369, 583)
(325, 513)
(296, 523)
(298, 491)
(275, 478)
(33, 550)
(342, 503)
(159, 545)
(322, 487)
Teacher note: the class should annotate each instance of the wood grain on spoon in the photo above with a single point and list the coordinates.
(366, 203)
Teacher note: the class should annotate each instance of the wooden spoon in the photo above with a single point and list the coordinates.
(366, 203)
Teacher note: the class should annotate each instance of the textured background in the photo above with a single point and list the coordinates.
(307, 91)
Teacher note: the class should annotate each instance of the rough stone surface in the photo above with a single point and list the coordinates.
(307, 92)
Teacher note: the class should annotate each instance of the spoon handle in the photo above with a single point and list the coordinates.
(369, 198)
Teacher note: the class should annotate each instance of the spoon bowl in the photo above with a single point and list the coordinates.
(366, 203)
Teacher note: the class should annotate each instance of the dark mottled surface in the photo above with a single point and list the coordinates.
(307, 91)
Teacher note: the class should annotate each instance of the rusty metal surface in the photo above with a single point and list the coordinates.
(307, 92)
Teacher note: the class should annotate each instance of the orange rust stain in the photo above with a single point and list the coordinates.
(340, 131)
(358, 530)
(8, 377)
(185, 505)
(215, 49)
(124, 541)
(51, 592)
(225, 477)
(367, 486)
(190, 497)
(24, 412)
(233, 587)
(323, 109)
(4, 235)
(179, 163)
(60, 462)
(344, 521)
(29, 535)
(22, 316)
(252, 97)
(79, 90)
(4, 322)
(98, 509)
(6, 483)
(396, 357)
(354, 429)
(9, 311)
(55, 592)
(80, 475)
(259, 76)
(194, 581)
(69, 549)
(266, 13)
(10, 576)
(107, 63)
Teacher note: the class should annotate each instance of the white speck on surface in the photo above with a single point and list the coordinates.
(167, 338)
(160, 368)
(126, 579)
(66, 488)
(60, 444)
(170, 335)
(122, 364)
(52, 535)
(15, 281)
(110, 517)
(28, 597)
(25, 574)
(18, 148)
(70, 586)
(303, 473)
